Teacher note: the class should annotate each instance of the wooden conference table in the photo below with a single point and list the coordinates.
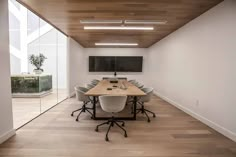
(122, 87)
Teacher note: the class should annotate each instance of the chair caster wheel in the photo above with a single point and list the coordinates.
(96, 129)
(126, 135)
(149, 121)
(72, 114)
(77, 120)
(123, 124)
(106, 139)
(154, 115)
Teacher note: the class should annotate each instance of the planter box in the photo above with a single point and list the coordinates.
(31, 85)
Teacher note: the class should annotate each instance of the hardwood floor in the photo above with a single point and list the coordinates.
(25, 109)
(171, 134)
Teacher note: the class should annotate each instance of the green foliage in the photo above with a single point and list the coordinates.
(37, 60)
(31, 84)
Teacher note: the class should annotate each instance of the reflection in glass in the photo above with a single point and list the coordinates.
(34, 91)
(62, 66)
(48, 47)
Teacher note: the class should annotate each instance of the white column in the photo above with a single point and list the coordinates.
(6, 119)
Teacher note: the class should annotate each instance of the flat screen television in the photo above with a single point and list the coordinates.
(129, 64)
(115, 63)
(101, 64)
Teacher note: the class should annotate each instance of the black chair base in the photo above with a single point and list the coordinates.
(82, 109)
(144, 111)
(112, 121)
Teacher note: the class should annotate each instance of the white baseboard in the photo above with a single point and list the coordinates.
(72, 94)
(206, 121)
(7, 135)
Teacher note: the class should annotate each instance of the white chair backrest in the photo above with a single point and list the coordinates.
(80, 91)
(132, 81)
(111, 103)
(95, 82)
(149, 92)
(90, 86)
(137, 84)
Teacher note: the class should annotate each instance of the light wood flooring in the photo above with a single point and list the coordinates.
(171, 134)
(25, 109)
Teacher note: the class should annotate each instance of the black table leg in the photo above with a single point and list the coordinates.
(94, 107)
(135, 106)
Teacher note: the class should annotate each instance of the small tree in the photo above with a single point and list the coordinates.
(37, 60)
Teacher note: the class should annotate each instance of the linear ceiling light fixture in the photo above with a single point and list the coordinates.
(101, 21)
(117, 28)
(116, 44)
(145, 22)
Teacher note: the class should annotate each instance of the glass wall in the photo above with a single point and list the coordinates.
(36, 87)
(62, 67)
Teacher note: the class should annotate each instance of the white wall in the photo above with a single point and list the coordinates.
(194, 68)
(75, 65)
(6, 121)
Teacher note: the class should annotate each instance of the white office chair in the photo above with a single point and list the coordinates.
(132, 81)
(112, 104)
(130, 98)
(90, 86)
(139, 85)
(80, 91)
(95, 82)
(143, 99)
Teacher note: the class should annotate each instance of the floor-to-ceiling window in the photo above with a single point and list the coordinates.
(38, 64)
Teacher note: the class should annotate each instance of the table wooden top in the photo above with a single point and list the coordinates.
(101, 89)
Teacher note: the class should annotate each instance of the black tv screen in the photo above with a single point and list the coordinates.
(101, 64)
(129, 64)
(115, 63)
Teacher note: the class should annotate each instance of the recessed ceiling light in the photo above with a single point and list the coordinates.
(145, 22)
(117, 28)
(116, 44)
(100, 21)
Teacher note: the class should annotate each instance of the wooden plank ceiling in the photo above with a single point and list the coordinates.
(65, 15)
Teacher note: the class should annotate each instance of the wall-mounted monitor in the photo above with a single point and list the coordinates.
(115, 63)
(101, 64)
(129, 64)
